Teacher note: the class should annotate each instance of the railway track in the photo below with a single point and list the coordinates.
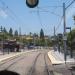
(46, 67)
(12, 61)
(6, 66)
(32, 69)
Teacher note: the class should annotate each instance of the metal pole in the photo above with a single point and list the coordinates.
(64, 34)
(54, 31)
(54, 39)
(20, 37)
(3, 41)
(71, 44)
(34, 40)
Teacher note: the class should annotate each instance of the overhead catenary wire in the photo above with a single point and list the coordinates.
(9, 15)
(62, 16)
(39, 17)
(59, 24)
(6, 8)
(50, 6)
(12, 15)
(70, 4)
(55, 15)
(38, 12)
(67, 1)
(15, 16)
(44, 10)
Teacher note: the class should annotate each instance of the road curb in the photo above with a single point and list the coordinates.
(54, 73)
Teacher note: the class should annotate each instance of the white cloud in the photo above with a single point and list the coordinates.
(3, 14)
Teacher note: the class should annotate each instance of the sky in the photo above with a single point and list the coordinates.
(16, 14)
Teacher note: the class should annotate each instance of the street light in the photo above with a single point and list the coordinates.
(71, 41)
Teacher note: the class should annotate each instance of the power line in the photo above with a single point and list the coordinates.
(9, 15)
(50, 6)
(6, 7)
(39, 17)
(15, 17)
(59, 24)
(44, 10)
(54, 1)
(55, 15)
(70, 4)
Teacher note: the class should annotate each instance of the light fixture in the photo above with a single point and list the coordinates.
(32, 3)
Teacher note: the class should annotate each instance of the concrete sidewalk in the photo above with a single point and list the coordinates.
(58, 58)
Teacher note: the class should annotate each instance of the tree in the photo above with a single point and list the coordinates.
(3, 34)
(71, 38)
(41, 34)
(16, 33)
(30, 34)
(42, 40)
(1, 28)
(5, 31)
(11, 32)
(74, 19)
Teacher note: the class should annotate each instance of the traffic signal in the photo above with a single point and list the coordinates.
(32, 3)
(60, 36)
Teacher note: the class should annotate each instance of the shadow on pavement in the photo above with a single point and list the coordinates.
(5, 72)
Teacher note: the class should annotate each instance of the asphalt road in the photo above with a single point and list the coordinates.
(32, 63)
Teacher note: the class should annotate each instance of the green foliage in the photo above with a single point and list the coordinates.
(71, 38)
(11, 32)
(42, 40)
(5, 31)
(74, 18)
(41, 34)
(34, 38)
(16, 33)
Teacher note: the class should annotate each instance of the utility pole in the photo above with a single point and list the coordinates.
(71, 44)
(54, 32)
(20, 36)
(34, 35)
(64, 20)
(64, 33)
(54, 39)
